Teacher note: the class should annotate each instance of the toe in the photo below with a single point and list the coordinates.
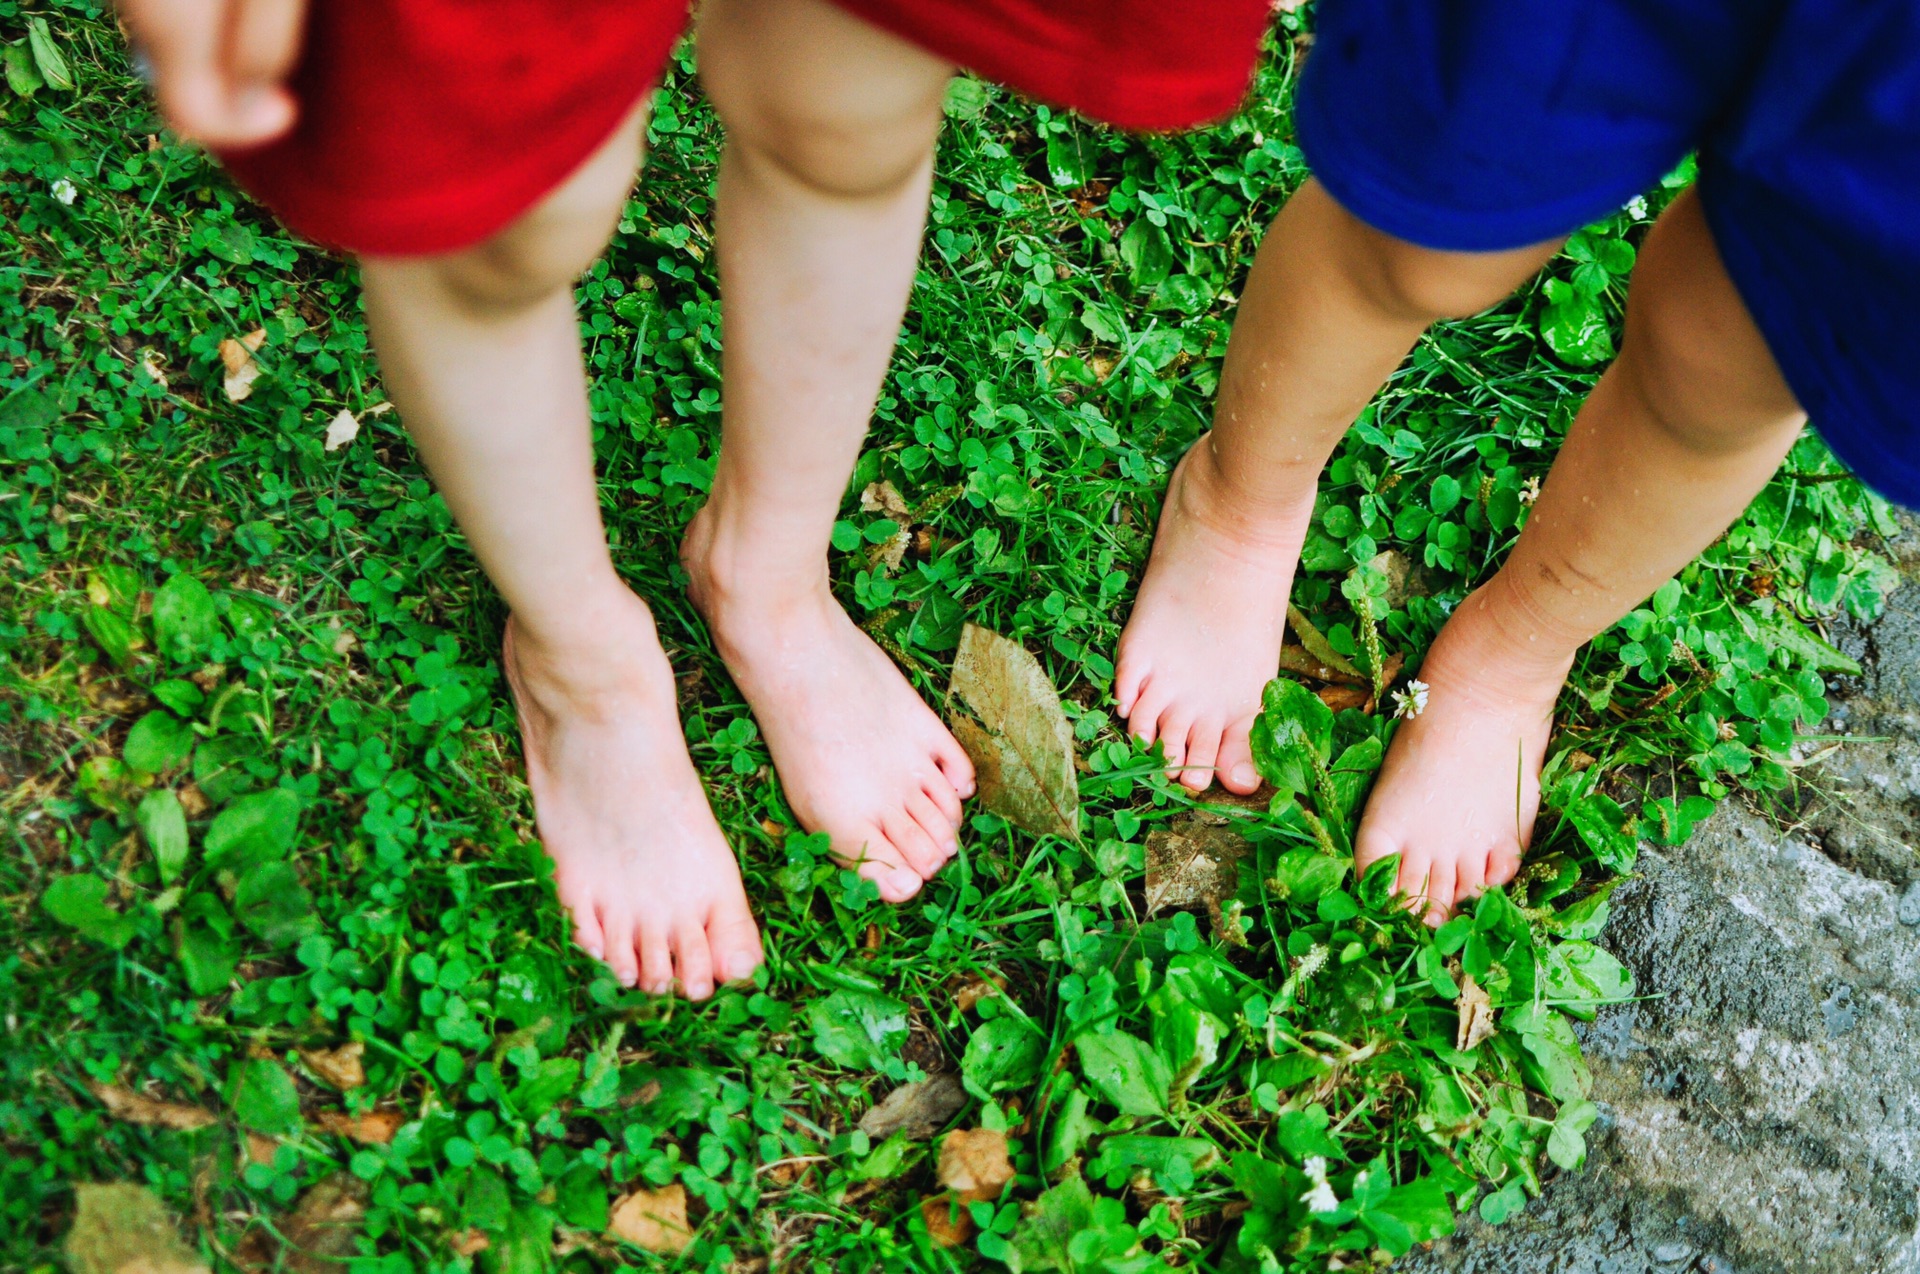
(616, 931)
(1129, 679)
(1144, 721)
(946, 800)
(734, 941)
(955, 764)
(693, 962)
(1503, 865)
(587, 932)
(877, 860)
(1439, 891)
(1235, 765)
(1411, 882)
(656, 957)
(1174, 728)
(936, 823)
(1469, 877)
(1203, 749)
(921, 852)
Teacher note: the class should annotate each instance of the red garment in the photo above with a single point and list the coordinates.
(429, 125)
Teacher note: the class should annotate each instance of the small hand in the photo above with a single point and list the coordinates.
(219, 67)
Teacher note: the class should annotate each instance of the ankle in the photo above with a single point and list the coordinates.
(739, 577)
(1214, 490)
(1497, 635)
(602, 645)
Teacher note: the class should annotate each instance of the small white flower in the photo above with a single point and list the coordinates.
(1531, 490)
(64, 191)
(1411, 702)
(1312, 962)
(1321, 1198)
(1637, 208)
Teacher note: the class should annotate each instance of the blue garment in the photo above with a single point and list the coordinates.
(1477, 125)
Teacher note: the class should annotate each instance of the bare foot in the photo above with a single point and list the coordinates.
(638, 858)
(1458, 793)
(1204, 637)
(860, 754)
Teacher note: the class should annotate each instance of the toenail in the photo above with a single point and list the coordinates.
(1245, 774)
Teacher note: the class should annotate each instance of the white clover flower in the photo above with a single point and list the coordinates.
(64, 191)
(1411, 702)
(1312, 962)
(1637, 208)
(1531, 490)
(1321, 1198)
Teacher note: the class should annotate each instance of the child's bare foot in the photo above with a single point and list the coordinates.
(638, 858)
(1457, 795)
(1204, 638)
(860, 754)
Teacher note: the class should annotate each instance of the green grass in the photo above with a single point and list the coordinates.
(199, 600)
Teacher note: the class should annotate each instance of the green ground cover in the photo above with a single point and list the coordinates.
(263, 793)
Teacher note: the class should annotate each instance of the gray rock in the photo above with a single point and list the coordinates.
(1764, 1097)
(1910, 905)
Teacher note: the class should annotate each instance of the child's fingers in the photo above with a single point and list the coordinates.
(263, 41)
(183, 40)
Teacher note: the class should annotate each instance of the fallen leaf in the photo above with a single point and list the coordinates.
(1476, 1015)
(883, 497)
(1342, 697)
(1191, 863)
(339, 1067)
(321, 1229)
(1318, 646)
(921, 1109)
(150, 364)
(948, 1224)
(979, 989)
(890, 552)
(375, 1128)
(1403, 579)
(130, 1107)
(468, 1243)
(974, 1164)
(261, 1148)
(236, 356)
(1579, 762)
(653, 1220)
(341, 430)
(378, 409)
(125, 1229)
(1022, 746)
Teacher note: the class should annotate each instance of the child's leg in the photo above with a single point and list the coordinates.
(823, 193)
(481, 351)
(1329, 310)
(1683, 429)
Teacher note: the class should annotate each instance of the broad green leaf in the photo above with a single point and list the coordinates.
(1022, 745)
(1147, 253)
(552, 1080)
(263, 1096)
(115, 633)
(1186, 1036)
(528, 995)
(1174, 1162)
(184, 625)
(254, 829)
(581, 1198)
(219, 767)
(1316, 644)
(47, 58)
(208, 958)
(1303, 874)
(1126, 1071)
(164, 824)
(1581, 976)
(1422, 1206)
(1303, 1134)
(1068, 1128)
(23, 77)
(1567, 1144)
(80, 902)
(183, 697)
(524, 1245)
(1606, 829)
(271, 901)
(1552, 1062)
(1069, 158)
(1574, 325)
(859, 1030)
(1353, 774)
(966, 97)
(158, 741)
(1005, 1052)
(108, 783)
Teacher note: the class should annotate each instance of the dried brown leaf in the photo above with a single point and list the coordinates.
(339, 1067)
(974, 1163)
(653, 1220)
(948, 1224)
(321, 1229)
(375, 1128)
(242, 369)
(1476, 1015)
(130, 1107)
(125, 1229)
(1340, 698)
(884, 497)
(341, 430)
(1021, 746)
(921, 1109)
(1296, 660)
(977, 990)
(1193, 864)
(261, 1148)
(468, 1243)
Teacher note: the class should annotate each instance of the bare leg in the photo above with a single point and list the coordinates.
(481, 351)
(1683, 429)
(822, 199)
(1330, 308)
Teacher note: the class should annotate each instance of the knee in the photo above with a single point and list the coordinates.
(825, 147)
(1428, 286)
(529, 261)
(1711, 390)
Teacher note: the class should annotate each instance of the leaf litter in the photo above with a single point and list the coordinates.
(653, 1220)
(1021, 745)
(123, 1228)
